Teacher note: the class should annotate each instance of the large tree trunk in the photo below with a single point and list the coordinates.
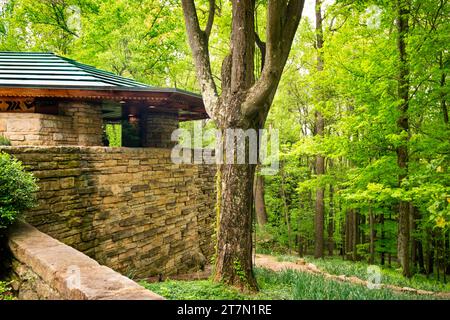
(403, 125)
(244, 103)
(260, 205)
(234, 259)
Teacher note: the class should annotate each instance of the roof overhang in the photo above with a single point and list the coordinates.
(189, 105)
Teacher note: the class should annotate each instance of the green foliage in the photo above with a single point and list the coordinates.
(114, 134)
(17, 189)
(4, 141)
(5, 291)
(194, 290)
(285, 285)
(391, 276)
(357, 95)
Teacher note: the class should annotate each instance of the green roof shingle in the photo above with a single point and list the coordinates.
(48, 70)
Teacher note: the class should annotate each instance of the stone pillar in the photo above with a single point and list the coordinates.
(87, 121)
(157, 129)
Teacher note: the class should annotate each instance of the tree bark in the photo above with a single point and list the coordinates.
(320, 160)
(351, 235)
(372, 236)
(383, 254)
(356, 235)
(234, 259)
(420, 257)
(260, 205)
(331, 223)
(403, 7)
(413, 216)
(443, 94)
(285, 207)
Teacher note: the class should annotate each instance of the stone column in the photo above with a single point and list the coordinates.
(157, 129)
(87, 121)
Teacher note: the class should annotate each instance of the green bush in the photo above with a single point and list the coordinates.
(17, 189)
(4, 141)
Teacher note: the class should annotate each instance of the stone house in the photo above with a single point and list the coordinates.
(129, 208)
(49, 100)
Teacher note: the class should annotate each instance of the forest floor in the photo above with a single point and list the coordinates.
(273, 263)
(291, 278)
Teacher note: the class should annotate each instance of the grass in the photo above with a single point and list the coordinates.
(286, 285)
(392, 276)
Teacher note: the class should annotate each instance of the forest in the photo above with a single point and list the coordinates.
(361, 107)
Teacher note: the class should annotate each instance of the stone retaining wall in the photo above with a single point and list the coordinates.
(130, 209)
(46, 269)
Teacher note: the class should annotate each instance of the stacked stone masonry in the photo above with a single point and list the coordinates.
(78, 123)
(157, 129)
(130, 209)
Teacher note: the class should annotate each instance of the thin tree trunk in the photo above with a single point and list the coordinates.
(372, 236)
(383, 252)
(403, 125)
(285, 208)
(320, 160)
(331, 223)
(430, 252)
(443, 95)
(260, 205)
(351, 235)
(420, 257)
(356, 237)
(413, 215)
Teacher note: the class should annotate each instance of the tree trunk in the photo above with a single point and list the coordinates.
(331, 223)
(320, 160)
(383, 254)
(234, 259)
(403, 125)
(355, 233)
(285, 207)
(351, 235)
(260, 205)
(413, 217)
(372, 236)
(420, 257)
(243, 103)
(443, 95)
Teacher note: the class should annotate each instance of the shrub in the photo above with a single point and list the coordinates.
(4, 141)
(17, 189)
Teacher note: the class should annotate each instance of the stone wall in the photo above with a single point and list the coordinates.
(130, 209)
(78, 123)
(46, 269)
